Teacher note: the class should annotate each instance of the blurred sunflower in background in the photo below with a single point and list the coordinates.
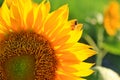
(112, 18)
(38, 45)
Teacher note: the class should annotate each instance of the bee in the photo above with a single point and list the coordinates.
(74, 25)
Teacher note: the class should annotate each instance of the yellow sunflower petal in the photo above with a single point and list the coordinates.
(60, 40)
(84, 54)
(81, 51)
(64, 46)
(66, 30)
(61, 30)
(16, 20)
(83, 69)
(83, 66)
(56, 19)
(5, 13)
(73, 46)
(30, 19)
(67, 77)
(68, 58)
(40, 13)
(76, 33)
(55, 37)
(84, 73)
(5, 18)
(19, 11)
(67, 69)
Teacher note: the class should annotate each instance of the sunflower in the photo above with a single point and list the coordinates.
(38, 45)
(112, 18)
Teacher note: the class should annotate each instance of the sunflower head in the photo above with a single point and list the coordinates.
(112, 18)
(38, 45)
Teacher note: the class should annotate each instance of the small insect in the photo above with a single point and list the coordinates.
(74, 25)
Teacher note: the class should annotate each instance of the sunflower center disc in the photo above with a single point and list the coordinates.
(26, 56)
(21, 66)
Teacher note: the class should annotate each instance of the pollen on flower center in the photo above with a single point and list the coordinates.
(21, 50)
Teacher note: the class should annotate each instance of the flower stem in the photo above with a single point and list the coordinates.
(91, 42)
(99, 58)
(101, 52)
(97, 47)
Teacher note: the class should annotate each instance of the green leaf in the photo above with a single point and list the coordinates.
(1, 1)
(112, 45)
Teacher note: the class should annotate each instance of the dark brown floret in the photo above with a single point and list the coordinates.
(28, 43)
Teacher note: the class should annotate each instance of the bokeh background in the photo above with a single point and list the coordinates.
(91, 14)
